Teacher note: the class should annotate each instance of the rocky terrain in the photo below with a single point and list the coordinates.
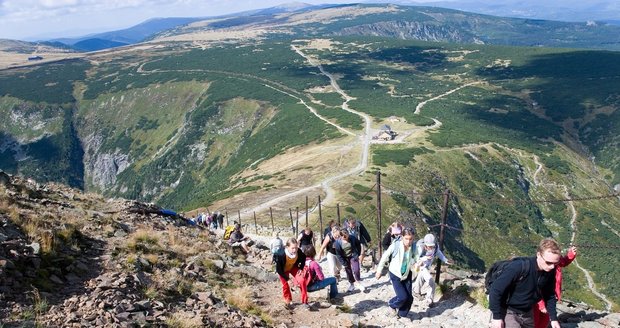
(70, 259)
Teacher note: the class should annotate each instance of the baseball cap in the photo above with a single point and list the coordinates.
(429, 240)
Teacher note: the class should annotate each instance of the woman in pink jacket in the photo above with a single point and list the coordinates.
(539, 310)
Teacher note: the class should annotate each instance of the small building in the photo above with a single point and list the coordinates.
(385, 134)
(35, 58)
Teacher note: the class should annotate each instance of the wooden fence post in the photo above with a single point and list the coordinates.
(338, 212)
(320, 223)
(255, 224)
(444, 215)
(379, 237)
(273, 229)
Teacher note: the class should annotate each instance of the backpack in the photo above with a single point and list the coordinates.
(498, 267)
(304, 276)
(276, 246)
(394, 240)
(228, 232)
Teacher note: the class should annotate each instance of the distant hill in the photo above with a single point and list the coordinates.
(96, 44)
(565, 10)
(126, 36)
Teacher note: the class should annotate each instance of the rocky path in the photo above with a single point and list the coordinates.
(457, 308)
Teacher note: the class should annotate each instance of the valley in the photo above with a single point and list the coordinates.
(244, 117)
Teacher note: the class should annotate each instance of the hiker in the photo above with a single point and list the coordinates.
(348, 249)
(289, 262)
(392, 234)
(357, 228)
(220, 220)
(329, 245)
(541, 317)
(521, 284)
(328, 229)
(306, 237)
(426, 251)
(317, 280)
(401, 253)
(238, 239)
(214, 221)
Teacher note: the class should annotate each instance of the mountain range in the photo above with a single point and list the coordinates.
(249, 114)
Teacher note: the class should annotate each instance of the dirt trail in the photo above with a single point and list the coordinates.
(591, 284)
(538, 169)
(418, 108)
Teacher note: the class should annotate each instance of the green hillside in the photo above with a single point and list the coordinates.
(187, 125)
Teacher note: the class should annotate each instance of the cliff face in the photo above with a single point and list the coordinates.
(413, 30)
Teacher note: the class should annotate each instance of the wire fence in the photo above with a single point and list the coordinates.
(317, 215)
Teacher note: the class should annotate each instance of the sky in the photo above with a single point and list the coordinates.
(31, 20)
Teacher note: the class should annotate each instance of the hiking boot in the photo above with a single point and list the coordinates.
(351, 288)
(361, 287)
(305, 306)
(395, 313)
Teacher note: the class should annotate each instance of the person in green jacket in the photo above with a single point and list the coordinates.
(402, 253)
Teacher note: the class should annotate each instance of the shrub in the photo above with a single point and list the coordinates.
(184, 320)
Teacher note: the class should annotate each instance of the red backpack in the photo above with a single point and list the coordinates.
(305, 276)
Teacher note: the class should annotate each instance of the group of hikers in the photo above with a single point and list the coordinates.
(213, 220)
(522, 292)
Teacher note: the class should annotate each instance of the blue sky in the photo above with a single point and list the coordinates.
(39, 19)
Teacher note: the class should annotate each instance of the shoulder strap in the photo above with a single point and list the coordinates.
(525, 268)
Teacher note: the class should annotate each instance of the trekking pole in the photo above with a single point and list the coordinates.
(444, 214)
(290, 212)
(297, 221)
(226, 212)
(239, 217)
(306, 210)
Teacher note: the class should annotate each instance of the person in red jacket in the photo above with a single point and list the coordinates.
(539, 311)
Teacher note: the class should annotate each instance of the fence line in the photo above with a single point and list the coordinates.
(369, 218)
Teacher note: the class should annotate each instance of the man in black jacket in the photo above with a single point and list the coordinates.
(513, 292)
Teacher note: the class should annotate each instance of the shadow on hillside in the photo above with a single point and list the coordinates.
(563, 85)
(61, 155)
(580, 316)
(444, 304)
(87, 266)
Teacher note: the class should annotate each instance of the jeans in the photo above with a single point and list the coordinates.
(352, 268)
(404, 298)
(320, 284)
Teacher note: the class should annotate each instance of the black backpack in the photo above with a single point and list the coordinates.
(498, 267)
